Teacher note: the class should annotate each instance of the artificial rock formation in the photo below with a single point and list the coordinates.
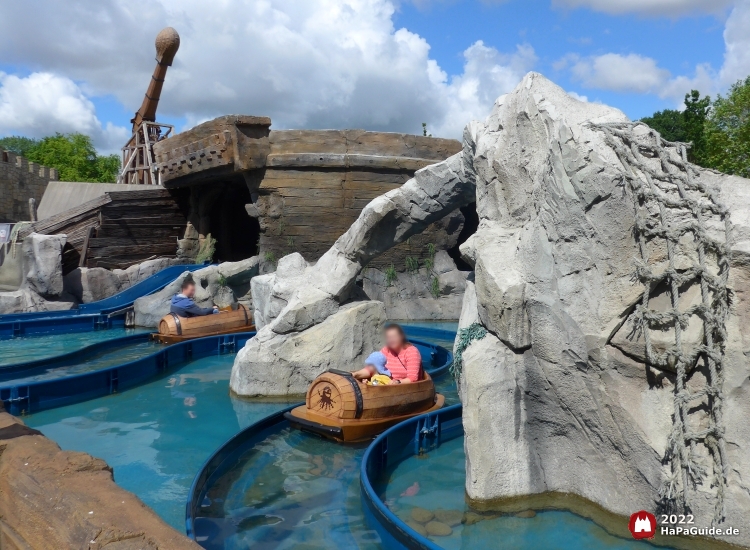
(613, 366)
(35, 266)
(63, 499)
(431, 292)
(91, 284)
(611, 277)
(223, 285)
(271, 364)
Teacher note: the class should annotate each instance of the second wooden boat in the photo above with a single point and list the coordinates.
(339, 407)
(173, 328)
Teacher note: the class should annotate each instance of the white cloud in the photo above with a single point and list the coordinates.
(304, 63)
(737, 44)
(487, 75)
(43, 103)
(579, 97)
(621, 73)
(670, 8)
(636, 74)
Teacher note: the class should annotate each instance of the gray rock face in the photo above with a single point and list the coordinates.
(220, 285)
(435, 293)
(41, 288)
(43, 264)
(282, 365)
(93, 284)
(562, 395)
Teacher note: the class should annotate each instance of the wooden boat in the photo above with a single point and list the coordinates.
(339, 407)
(173, 328)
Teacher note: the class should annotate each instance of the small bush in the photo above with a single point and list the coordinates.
(222, 281)
(390, 275)
(435, 288)
(429, 262)
(207, 250)
(270, 257)
(412, 264)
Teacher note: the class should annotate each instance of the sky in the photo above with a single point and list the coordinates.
(387, 65)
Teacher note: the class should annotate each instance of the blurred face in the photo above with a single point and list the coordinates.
(394, 340)
(189, 291)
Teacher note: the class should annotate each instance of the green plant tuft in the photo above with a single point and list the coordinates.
(270, 257)
(429, 262)
(390, 275)
(290, 241)
(207, 250)
(412, 264)
(435, 288)
(222, 281)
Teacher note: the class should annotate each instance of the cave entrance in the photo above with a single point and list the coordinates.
(235, 231)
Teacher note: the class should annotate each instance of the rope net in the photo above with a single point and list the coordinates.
(675, 212)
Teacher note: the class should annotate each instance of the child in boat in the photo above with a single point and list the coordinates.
(183, 304)
(403, 360)
(375, 370)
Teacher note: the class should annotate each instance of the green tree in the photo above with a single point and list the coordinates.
(670, 123)
(75, 158)
(687, 126)
(728, 131)
(18, 144)
(695, 115)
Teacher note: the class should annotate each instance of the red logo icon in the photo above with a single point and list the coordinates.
(642, 525)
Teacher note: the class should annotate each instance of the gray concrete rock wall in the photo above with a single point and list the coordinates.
(561, 396)
(285, 365)
(434, 293)
(41, 287)
(93, 284)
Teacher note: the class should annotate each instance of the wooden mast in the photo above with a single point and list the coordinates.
(138, 165)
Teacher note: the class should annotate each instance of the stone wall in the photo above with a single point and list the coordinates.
(21, 180)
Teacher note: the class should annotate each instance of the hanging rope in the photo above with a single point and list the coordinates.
(672, 206)
(465, 337)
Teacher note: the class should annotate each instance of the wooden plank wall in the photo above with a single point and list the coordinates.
(305, 211)
(135, 226)
(129, 227)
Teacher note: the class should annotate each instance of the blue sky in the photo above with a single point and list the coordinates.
(374, 64)
(677, 43)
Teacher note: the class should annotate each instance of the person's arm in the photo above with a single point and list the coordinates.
(195, 309)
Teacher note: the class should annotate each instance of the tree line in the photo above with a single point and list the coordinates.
(718, 129)
(73, 155)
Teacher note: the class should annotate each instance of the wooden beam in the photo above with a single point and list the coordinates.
(85, 247)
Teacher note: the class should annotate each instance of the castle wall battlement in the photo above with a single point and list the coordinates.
(20, 180)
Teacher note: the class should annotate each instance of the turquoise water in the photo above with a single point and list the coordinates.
(157, 436)
(104, 360)
(30, 348)
(442, 325)
(437, 482)
(292, 490)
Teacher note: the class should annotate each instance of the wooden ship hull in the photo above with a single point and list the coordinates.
(173, 328)
(341, 408)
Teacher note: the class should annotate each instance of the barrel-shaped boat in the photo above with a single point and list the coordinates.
(173, 328)
(339, 407)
